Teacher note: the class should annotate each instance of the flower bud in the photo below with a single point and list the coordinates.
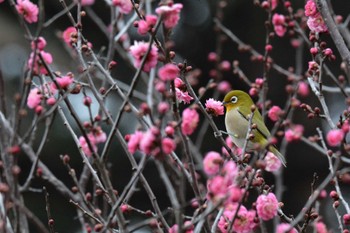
(334, 195)
(87, 101)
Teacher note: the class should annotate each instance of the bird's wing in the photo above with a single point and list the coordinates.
(262, 129)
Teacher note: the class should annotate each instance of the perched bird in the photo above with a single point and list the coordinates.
(238, 108)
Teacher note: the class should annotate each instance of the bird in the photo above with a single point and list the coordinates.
(238, 106)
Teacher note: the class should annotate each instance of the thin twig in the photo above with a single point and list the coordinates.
(322, 101)
(48, 211)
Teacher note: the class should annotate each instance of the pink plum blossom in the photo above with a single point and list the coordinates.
(147, 142)
(67, 35)
(314, 51)
(224, 87)
(170, 14)
(295, 42)
(259, 82)
(50, 88)
(125, 208)
(181, 93)
(310, 8)
(39, 109)
(346, 126)
(212, 162)
(87, 2)
(150, 143)
(278, 19)
(235, 193)
(303, 89)
(244, 223)
(316, 23)
(283, 227)
(183, 96)
(168, 145)
(294, 133)
(188, 225)
(217, 188)
(312, 65)
(65, 81)
(134, 141)
(272, 162)
(147, 24)
(163, 107)
(190, 119)
(34, 98)
(161, 87)
(267, 206)
(279, 24)
(139, 49)
(335, 137)
(321, 227)
(85, 146)
(253, 91)
(274, 113)
(212, 56)
(346, 219)
(274, 4)
(230, 172)
(225, 65)
(100, 136)
(328, 52)
(179, 83)
(236, 150)
(173, 229)
(28, 10)
(40, 43)
(38, 68)
(214, 107)
(280, 30)
(51, 101)
(124, 6)
(169, 130)
(168, 72)
(95, 137)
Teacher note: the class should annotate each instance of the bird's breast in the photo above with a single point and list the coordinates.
(236, 126)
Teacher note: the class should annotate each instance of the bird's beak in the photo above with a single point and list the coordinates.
(224, 103)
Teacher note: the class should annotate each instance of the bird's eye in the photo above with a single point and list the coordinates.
(234, 99)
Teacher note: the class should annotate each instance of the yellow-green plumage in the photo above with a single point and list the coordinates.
(238, 108)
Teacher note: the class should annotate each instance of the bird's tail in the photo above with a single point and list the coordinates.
(278, 154)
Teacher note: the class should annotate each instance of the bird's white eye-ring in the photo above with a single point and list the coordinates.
(234, 99)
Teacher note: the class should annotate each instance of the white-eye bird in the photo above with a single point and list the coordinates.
(238, 108)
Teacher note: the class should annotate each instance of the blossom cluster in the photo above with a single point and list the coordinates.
(170, 15)
(47, 92)
(34, 62)
(182, 94)
(152, 142)
(94, 137)
(28, 10)
(279, 24)
(256, 87)
(315, 21)
(139, 50)
(224, 186)
(294, 133)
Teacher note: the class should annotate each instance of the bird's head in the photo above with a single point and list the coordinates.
(237, 98)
